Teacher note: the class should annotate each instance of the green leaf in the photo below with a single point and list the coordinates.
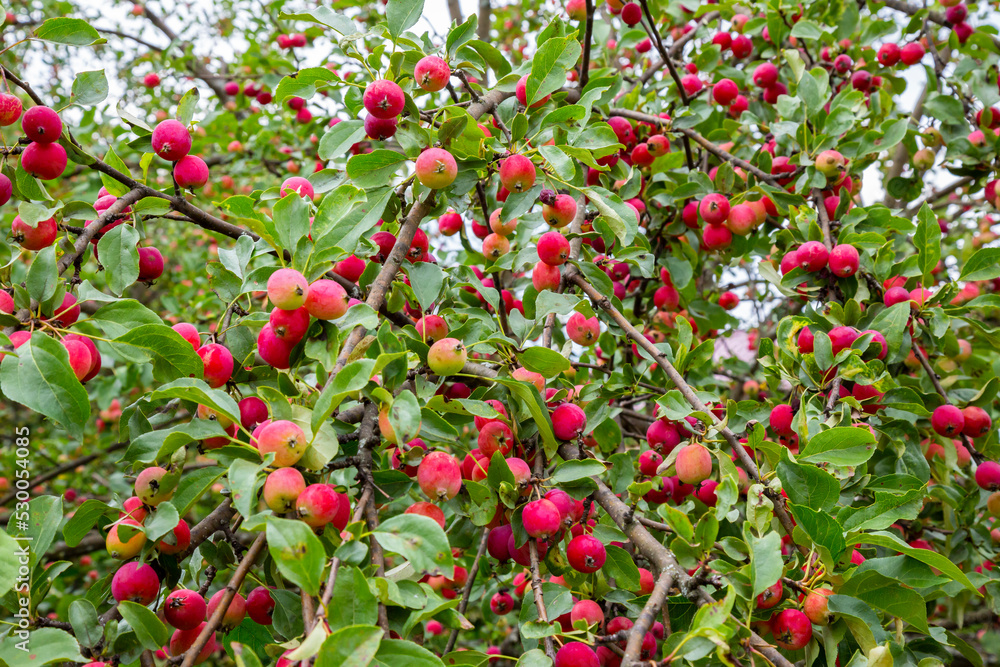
(808, 485)
(86, 626)
(932, 558)
(302, 83)
(172, 356)
(352, 378)
(43, 275)
(149, 629)
(352, 646)
(160, 444)
(85, 518)
(32, 213)
(291, 219)
(188, 105)
(459, 35)
(297, 552)
(426, 280)
(890, 596)
(193, 485)
(570, 471)
(119, 254)
(198, 391)
(404, 416)
(861, 620)
(419, 540)
(47, 645)
(983, 265)
(338, 139)
(74, 32)
(40, 378)
(821, 528)
(549, 66)
(885, 511)
(534, 658)
(927, 241)
(402, 15)
(369, 170)
(840, 446)
(110, 184)
(399, 653)
(90, 88)
(352, 603)
(766, 566)
(538, 359)
(325, 16)
(620, 566)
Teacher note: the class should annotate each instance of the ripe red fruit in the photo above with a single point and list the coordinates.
(384, 99)
(576, 655)
(742, 219)
(285, 439)
(568, 421)
(816, 607)
(517, 173)
(728, 300)
(792, 629)
(79, 358)
(771, 597)
(135, 582)
(631, 14)
(380, 129)
(182, 640)
(694, 464)
(496, 542)
(260, 605)
(317, 505)
(646, 581)
(191, 172)
(947, 420)
(274, 351)
(299, 185)
(842, 338)
(41, 236)
(714, 209)
(716, 237)
(326, 300)
(521, 92)
(545, 276)
(741, 46)
(662, 436)
(812, 256)
(725, 91)
(765, 76)
(429, 510)
(44, 161)
(912, 53)
(586, 554)
(281, 489)
(781, 419)
(894, 295)
(171, 140)
(582, 330)
(495, 437)
(439, 476)
(888, 54)
(541, 519)
(184, 609)
(501, 603)
(431, 73)
(149, 486)
(988, 476)
(843, 260)
(553, 248)
(218, 363)
(10, 109)
(150, 264)
(235, 612)
(436, 168)
(41, 124)
(977, 421)
(649, 461)
(177, 540)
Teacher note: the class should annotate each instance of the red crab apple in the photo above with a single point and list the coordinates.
(41, 124)
(586, 554)
(765, 76)
(568, 421)
(44, 161)
(501, 603)
(503, 228)
(150, 264)
(235, 612)
(714, 209)
(285, 439)
(495, 437)
(694, 464)
(79, 358)
(439, 476)
(725, 91)
(177, 540)
(171, 140)
(583, 330)
(287, 289)
(521, 92)
(149, 487)
(218, 363)
(947, 420)
(182, 640)
(792, 629)
(812, 256)
(545, 276)
(273, 350)
(120, 548)
(436, 168)
(576, 655)
(184, 609)
(429, 510)
(289, 325)
(557, 210)
(781, 419)
(742, 219)
(450, 223)
(317, 505)
(326, 300)
(260, 605)
(431, 73)
(384, 99)
(495, 246)
(298, 185)
(553, 248)
(188, 332)
(716, 237)
(541, 519)
(988, 476)
(281, 488)
(135, 582)
(10, 109)
(977, 421)
(843, 260)
(191, 172)
(447, 356)
(815, 606)
(517, 173)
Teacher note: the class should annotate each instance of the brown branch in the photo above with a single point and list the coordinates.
(208, 526)
(232, 588)
(91, 230)
(467, 591)
(65, 467)
(824, 219)
(195, 65)
(588, 37)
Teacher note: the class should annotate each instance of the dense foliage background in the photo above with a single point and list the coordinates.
(631, 334)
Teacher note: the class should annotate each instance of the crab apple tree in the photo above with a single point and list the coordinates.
(557, 335)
